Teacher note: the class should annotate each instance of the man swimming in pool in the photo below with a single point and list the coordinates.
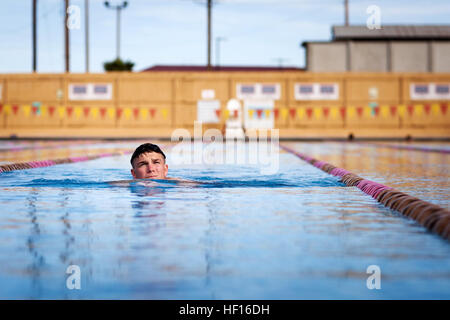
(149, 162)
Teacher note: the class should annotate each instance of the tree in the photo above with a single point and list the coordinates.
(118, 65)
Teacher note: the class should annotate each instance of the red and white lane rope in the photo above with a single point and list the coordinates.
(433, 217)
(47, 163)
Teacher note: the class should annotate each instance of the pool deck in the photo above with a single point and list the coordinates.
(165, 134)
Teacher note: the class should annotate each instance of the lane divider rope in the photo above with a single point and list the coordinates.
(47, 163)
(431, 216)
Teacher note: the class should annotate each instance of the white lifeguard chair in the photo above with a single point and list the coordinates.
(233, 125)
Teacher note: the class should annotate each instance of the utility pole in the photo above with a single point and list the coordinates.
(209, 5)
(118, 8)
(346, 12)
(218, 39)
(66, 35)
(86, 24)
(34, 34)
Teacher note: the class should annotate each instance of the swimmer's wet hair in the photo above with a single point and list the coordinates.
(144, 148)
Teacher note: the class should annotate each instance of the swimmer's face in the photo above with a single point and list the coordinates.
(149, 165)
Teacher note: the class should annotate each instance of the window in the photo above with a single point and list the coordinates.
(442, 89)
(421, 89)
(79, 89)
(306, 89)
(268, 89)
(327, 89)
(100, 89)
(247, 89)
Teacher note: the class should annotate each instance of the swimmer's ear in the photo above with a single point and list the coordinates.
(132, 173)
(166, 169)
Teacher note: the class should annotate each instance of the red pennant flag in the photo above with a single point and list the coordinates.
(1, 108)
(427, 109)
(259, 112)
(343, 111)
(444, 108)
(119, 112)
(102, 112)
(34, 110)
(410, 109)
(51, 110)
(309, 112)
(292, 112)
(15, 109)
(86, 111)
(152, 112)
(218, 113)
(376, 110)
(275, 113)
(136, 112)
(236, 113)
(69, 111)
(326, 111)
(393, 110)
(359, 110)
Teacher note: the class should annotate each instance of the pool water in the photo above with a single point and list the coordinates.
(295, 234)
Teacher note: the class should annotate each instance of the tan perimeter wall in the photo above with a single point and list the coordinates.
(153, 104)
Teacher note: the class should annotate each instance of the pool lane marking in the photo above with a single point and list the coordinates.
(431, 216)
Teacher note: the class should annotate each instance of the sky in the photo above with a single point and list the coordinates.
(174, 32)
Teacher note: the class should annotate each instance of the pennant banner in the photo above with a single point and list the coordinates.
(303, 113)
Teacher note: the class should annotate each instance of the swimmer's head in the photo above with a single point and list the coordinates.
(149, 162)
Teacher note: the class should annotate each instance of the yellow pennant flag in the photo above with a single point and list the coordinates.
(284, 113)
(401, 110)
(227, 114)
(435, 109)
(94, 112)
(301, 112)
(7, 109)
(61, 112)
(351, 112)
(384, 111)
(164, 113)
(250, 113)
(267, 112)
(367, 111)
(334, 112)
(143, 113)
(43, 110)
(78, 111)
(111, 112)
(26, 110)
(317, 112)
(418, 109)
(127, 113)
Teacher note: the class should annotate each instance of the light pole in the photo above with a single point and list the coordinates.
(118, 8)
(86, 19)
(218, 39)
(34, 24)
